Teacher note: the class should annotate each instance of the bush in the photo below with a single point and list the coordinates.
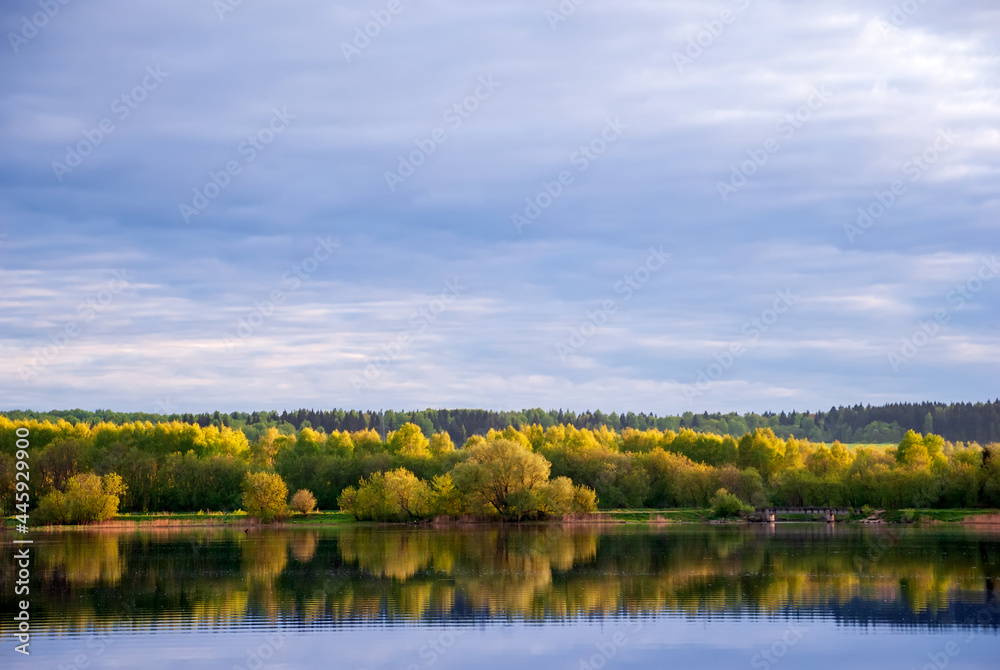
(87, 499)
(397, 495)
(303, 502)
(264, 496)
(584, 500)
(725, 504)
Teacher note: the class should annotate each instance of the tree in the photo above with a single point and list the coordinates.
(397, 495)
(500, 474)
(726, 504)
(912, 451)
(441, 444)
(446, 500)
(409, 440)
(761, 450)
(584, 500)
(560, 497)
(264, 496)
(303, 502)
(88, 498)
(59, 461)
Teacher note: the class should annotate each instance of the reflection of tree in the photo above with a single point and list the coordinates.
(265, 555)
(386, 553)
(84, 559)
(534, 572)
(303, 545)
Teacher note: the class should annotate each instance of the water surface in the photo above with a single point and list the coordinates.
(575, 597)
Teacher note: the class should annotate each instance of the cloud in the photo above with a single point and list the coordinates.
(890, 93)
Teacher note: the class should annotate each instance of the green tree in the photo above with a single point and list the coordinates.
(761, 450)
(500, 474)
(446, 500)
(397, 495)
(410, 441)
(88, 498)
(264, 496)
(912, 452)
(725, 504)
(441, 444)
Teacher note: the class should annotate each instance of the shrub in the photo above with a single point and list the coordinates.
(88, 498)
(303, 502)
(264, 496)
(584, 500)
(725, 504)
(397, 495)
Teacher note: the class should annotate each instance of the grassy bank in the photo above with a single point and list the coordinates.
(625, 516)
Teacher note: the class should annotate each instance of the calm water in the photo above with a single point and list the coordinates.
(540, 597)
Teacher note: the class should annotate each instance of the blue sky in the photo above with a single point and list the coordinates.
(628, 206)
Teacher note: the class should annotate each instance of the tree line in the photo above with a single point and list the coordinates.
(178, 467)
(860, 424)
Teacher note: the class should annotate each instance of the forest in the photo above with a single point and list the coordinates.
(185, 467)
(860, 424)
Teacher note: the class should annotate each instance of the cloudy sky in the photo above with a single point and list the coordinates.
(629, 205)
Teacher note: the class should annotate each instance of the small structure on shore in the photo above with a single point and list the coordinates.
(770, 514)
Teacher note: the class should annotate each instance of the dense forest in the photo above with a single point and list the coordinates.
(175, 466)
(957, 422)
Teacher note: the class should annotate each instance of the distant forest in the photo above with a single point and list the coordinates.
(965, 422)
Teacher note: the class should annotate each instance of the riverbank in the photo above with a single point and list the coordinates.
(988, 517)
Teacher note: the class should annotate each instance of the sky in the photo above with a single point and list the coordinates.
(628, 206)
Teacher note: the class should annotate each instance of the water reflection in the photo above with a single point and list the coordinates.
(360, 574)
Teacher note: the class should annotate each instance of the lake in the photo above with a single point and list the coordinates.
(527, 597)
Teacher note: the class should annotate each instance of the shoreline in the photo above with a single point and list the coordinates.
(905, 517)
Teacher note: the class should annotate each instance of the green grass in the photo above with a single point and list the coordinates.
(636, 516)
(693, 515)
(320, 519)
